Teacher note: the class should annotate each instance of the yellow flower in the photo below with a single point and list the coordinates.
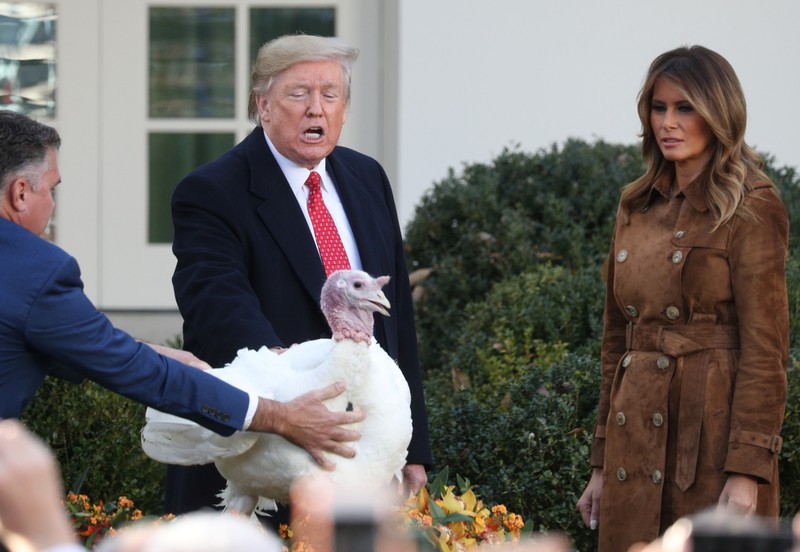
(125, 502)
(136, 515)
(285, 532)
(455, 505)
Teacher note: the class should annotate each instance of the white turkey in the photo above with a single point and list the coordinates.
(260, 467)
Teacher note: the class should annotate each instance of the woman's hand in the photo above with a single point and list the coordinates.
(740, 495)
(589, 503)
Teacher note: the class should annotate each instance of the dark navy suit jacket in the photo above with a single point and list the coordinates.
(249, 274)
(248, 271)
(46, 320)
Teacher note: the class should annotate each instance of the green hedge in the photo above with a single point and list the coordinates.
(509, 323)
(95, 435)
(522, 357)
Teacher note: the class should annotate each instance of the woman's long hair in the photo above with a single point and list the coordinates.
(710, 85)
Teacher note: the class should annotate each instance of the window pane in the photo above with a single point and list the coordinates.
(28, 58)
(192, 62)
(269, 23)
(171, 157)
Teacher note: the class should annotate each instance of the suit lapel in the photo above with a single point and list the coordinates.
(277, 207)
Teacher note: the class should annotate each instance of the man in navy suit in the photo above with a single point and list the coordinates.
(48, 324)
(249, 270)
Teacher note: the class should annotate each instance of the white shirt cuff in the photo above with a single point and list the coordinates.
(251, 411)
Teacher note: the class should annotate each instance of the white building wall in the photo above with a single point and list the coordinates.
(462, 79)
(476, 76)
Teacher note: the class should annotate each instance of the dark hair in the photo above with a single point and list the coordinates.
(23, 145)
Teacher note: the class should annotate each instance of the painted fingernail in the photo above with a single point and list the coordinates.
(593, 524)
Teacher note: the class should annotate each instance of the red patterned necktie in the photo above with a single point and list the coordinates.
(329, 242)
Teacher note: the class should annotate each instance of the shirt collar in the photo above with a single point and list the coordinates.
(295, 174)
(691, 191)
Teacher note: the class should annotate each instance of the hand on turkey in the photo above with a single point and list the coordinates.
(307, 422)
(184, 357)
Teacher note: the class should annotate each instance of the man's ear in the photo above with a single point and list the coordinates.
(18, 194)
(262, 102)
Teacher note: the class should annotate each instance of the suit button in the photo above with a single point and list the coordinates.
(226, 417)
(621, 475)
(663, 362)
(626, 361)
(657, 477)
(673, 312)
(620, 418)
(679, 234)
(658, 419)
(676, 257)
(204, 409)
(632, 311)
(622, 255)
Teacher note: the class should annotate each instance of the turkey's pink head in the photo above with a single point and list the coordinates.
(348, 299)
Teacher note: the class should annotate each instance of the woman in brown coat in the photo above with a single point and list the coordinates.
(695, 342)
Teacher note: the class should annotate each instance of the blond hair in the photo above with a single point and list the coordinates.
(278, 55)
(711, 87)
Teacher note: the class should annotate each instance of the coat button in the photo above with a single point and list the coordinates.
(679, 234)
(663, 362)
(621, 475)
(622, 255)
(658, 419)
(632, 311)
(673, 313)
(657, 477)
(626, 361)
(620, 418)
(676, 257)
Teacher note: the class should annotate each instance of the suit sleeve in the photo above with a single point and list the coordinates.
(211, 281)
(419, 450)
(64, 325)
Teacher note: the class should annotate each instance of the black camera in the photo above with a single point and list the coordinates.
(717, 531)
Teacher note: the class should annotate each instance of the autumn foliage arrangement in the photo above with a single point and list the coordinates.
(453, 521)
(447, 518)
(93, 521)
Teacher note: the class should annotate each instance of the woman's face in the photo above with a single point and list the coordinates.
(682, 134)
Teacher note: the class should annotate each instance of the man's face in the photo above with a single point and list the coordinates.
(40, 204)
(304, 111)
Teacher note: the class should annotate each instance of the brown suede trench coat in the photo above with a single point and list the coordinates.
(695, 349)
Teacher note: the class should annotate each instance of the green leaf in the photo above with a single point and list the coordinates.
(456, 517)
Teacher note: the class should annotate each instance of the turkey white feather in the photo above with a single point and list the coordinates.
(261, 467)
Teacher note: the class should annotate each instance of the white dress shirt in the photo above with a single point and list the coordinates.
(297, 176)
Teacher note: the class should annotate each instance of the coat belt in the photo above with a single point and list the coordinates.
(682, 341)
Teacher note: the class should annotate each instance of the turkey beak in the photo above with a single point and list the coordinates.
(380, 303)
